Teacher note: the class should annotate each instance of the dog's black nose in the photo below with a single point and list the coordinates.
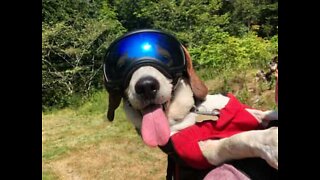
(147, 87)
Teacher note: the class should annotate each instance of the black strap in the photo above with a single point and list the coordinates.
(170, 169)
(170, 151)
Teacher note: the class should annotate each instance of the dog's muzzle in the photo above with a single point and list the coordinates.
(147, 87)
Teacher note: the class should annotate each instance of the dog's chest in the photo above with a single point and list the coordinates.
(212, 102)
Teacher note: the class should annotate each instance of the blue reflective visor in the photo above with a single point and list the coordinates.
(139, 48)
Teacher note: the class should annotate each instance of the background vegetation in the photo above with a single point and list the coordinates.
(221, 35)
(229, 41)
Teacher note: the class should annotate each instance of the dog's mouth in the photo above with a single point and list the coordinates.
(155, 128)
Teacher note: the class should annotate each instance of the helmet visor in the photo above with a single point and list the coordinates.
(142, 47)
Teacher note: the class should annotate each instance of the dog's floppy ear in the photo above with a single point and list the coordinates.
(200, 90)
(114, 102)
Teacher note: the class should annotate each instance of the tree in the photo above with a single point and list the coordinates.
(75, 35)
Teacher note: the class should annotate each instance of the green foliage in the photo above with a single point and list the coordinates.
(96, 104)
(236, 54)
(129, 13)
(252, 15)
(222, 36)
(74, 40)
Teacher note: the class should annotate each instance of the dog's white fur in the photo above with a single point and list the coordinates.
(255, 143)
(163, 94)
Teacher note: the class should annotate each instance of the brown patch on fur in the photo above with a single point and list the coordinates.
(200, 90)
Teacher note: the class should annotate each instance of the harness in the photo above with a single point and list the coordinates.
(184, 154)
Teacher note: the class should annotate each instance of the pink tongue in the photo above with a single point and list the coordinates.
(155, 127)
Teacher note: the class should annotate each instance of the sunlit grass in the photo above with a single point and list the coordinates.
(79, 143)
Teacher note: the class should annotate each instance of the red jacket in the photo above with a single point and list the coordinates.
(233, 119)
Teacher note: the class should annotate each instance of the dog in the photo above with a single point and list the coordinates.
(160, 108)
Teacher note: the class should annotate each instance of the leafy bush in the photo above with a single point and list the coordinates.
(233, 53)
(72, 52)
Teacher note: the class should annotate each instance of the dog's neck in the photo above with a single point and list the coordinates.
(180, 113)
(182, 102)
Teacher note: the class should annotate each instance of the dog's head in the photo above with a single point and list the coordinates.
(150, 81)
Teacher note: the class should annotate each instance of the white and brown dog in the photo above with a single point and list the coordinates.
(159, 110)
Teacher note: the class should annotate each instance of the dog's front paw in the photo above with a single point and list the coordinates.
(268, 146)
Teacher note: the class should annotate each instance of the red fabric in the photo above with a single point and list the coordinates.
(233, 119)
